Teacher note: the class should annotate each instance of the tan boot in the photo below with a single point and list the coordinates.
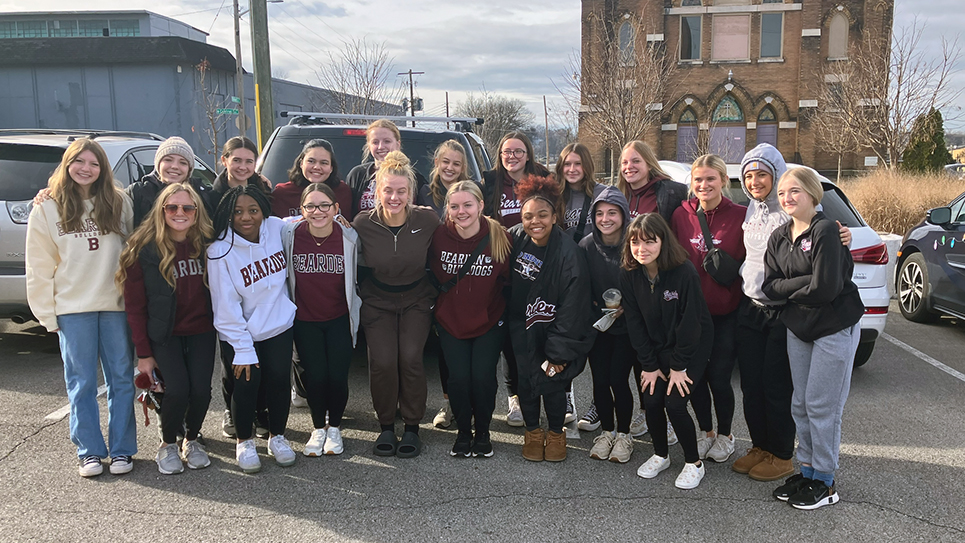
(533, 444)
(555, 446)
(751, 458)
(771, 469)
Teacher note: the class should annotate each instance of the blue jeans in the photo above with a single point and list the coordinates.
(85, 337)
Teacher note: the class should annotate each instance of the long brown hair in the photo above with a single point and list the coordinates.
(587, 184)
(646, 152)
(499, 245)
(652, 226)
(66, 193)
(154, 229)
(436, 188)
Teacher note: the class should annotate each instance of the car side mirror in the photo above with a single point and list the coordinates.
(939, 216)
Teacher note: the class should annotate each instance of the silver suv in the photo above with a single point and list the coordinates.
(27, 158)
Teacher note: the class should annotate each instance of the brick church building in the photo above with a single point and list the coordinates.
(742, 72)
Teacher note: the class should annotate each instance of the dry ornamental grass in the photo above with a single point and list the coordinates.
(894, 202)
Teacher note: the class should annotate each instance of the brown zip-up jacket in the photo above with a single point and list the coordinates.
(396, 259)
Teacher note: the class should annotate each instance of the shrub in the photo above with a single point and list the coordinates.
(896, 201)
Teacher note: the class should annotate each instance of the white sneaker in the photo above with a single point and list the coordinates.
(279, 447)
(590, 420)
(443, 418)
(570, 408)
(722, 448)
(652, 467)
(515, 416)
(671, 435)
(704, 444)
(622, 448)
(316, 443)
(602, 445)
(90, 466)
(333, 445)
(247, 456)
(690, 476)
(298, 401)
(194, 454)
(638, 426)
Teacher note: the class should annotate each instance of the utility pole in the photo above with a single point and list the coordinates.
(546, 132)
(447, 109)
(239, 76)
(411, 91)
(264, 109)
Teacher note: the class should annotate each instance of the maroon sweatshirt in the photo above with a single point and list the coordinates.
(286, 199)
(725, 223)
(643, 200)
(460, 310)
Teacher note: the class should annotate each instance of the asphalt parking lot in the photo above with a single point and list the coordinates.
(902, 466)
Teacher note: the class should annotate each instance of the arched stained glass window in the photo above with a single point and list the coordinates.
(838, 37)
(767, 116)
(688, 117)
(627, 37)
(690, 3)
(728, 111)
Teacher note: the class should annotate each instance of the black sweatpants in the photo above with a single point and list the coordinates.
(717, 377)
(324, 359)
(186, 364)
(659, 406)
(611, 358)
(228, 380)
(274, 369)
(553, 402)
(472, 377)
(765, 379)
(510, 372)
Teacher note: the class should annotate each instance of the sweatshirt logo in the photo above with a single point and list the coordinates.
(699, 245)
(259, 269)
(670, 295)
(453, 262)
(539, 311)
(806, 244)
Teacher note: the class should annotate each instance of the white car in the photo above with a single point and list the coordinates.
(867, 250)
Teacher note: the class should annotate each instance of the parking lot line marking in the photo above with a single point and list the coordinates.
(950, 371)
(65, 410)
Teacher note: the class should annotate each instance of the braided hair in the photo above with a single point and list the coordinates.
(224, 214)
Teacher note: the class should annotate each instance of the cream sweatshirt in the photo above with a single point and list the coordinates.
(72, 272)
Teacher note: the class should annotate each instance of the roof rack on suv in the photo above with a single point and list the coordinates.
(463, 124)
(72, 133)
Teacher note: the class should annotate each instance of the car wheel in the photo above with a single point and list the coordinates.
(914, 290)
(863, 353)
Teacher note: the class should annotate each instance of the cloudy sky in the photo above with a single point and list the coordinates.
(503, 46)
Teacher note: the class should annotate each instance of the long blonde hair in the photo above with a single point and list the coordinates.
(154, 229)
(395, 163)
(499, 246)
(436, 188)
(649, 157)
(66, 193)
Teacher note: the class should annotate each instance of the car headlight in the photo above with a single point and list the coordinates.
(20, 211)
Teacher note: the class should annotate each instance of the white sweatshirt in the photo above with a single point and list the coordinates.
(249, 290)
(72, 272)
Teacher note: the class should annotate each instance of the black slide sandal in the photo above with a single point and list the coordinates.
(410, 446)
(386, 444)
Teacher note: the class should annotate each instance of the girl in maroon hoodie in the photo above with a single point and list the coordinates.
(724, 219)
(471, 340)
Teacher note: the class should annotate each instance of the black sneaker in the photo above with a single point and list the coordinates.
(482, 447)
(791, 486)
(814, 495)
(463, 446)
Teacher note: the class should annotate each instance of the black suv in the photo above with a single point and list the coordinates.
(348, 140)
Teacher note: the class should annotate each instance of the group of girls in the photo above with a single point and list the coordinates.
(533, 254)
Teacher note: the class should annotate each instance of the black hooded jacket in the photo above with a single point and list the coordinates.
(603, 261)
(144, 193)
(558, 324)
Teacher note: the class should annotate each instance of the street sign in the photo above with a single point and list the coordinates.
(236, 100)
(226, 111)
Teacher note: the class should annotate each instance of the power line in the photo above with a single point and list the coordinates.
(216, 16)
(330, 27)
(311, 31)
(289, 53)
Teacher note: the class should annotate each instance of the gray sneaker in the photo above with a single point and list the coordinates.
(622, 449)
(168, 461)
(194, 455)
(515, 416)
(279, 447)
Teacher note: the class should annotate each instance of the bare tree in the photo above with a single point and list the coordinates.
(620, 95)
(500, 115)
(211, 101)
(839, 111)
(358, 77)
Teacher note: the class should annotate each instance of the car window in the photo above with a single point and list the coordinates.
(957, 211)
(202, 172)
(143, 161)
(25, 169)
(125, 171)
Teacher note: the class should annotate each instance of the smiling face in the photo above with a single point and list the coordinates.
(184, 215)
(84, 170)
(609, 220)
(513, 156)
(173, 169)
(707, 186)
(451, 167)
(759, 183)
(464, 210)
(240, 165)
(634, 168)
(573, 169)
(394, 194)
(317, 164)
(381, 142)
(319, 210)
(795, 201)
(247, 218)
(538, 220)
(646, 251)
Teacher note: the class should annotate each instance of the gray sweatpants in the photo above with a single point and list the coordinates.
(821, 373)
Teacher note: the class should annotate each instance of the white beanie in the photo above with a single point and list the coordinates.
(174, 146)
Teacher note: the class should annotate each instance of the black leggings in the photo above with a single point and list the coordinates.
(324, 360)
(186, 364)
(228, 380)
(610, 360)
(472, 377)
(676, 408)
(511, 373)
(717, 378)
(553, 402)
(274, 369)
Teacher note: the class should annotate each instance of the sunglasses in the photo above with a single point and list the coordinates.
(172, 209)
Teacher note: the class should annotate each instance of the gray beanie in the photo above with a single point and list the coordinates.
(174, 146)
